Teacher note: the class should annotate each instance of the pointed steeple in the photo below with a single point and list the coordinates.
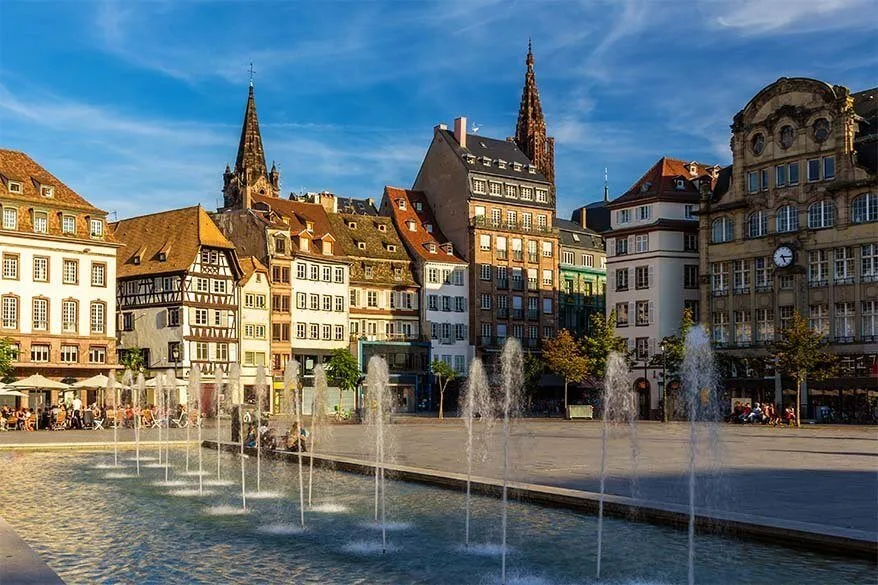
(530, 131)
(251, 156)
(250, 175)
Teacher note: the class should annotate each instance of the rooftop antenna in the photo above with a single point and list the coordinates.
(606, 187)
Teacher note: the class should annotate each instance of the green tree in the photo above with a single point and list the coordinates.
(599, 344)
(671, 357)
(444, 374)
(800, 352)
(132, 359)
(534, 368)
(343, 369)
(565, 357)
(7, 356)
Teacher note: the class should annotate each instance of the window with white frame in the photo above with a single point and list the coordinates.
(588, 260)
(39, 352)
(623, 216)
(485, 271)
(741, 276)
(752, 181)
(818, 267)
(644, 212)
(480, 186)
(641, 243)
(844, 265)
(547, 277)
(41, 269)
(722, 230)
(757, 224)
(201, 317)
(9, 310)
(41, 222)
(845, 316)
(641, 312)
(69, 320)
(511, 190)
(864, 208)
(222, 352)
(547, 249)
(542, 222)
(526, 220)
(793, 173)
(743, 328)
(621, 314)
(568, 257)
(763, 272)
(40, 309)
(787, 219)
(484, 242)
(720, 327)
(495, 188)
(641, 277)
(485, 301)
(70, 354)
(818, 319)
(689, 211)
(870, 319)
(821, 214)
(97, 228)
(869, 262)
(68, 224)
(764, 325)
(780, 176)
(338, 274)
(720, 277)
(10, 218)
(527, 193)
(542, 196)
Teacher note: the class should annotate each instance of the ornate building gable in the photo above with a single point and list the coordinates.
(530, 131)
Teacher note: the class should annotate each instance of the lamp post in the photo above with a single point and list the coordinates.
(664, 383)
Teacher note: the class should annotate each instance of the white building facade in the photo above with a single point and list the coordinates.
(57, 277)
(652, 267)
(320, 290)
(255, 343)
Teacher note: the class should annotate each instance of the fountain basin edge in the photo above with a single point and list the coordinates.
(792, 534)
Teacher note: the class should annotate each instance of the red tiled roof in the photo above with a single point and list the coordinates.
(659, 182)
(299, 214)
(419, 240)
(19, 167)
(251, 265)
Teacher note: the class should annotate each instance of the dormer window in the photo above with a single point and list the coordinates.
(679, 184)
(418, 206)
(391, 247)
(367, 272)
(501, 163)
(401, 203)
(486, 160)
(411, 225)
(516, 166)
(693, 169)
(280, 245)
(428, 227)
(470, 158)
(47, 191)
(327, 248)
(575, 237)
(352, 225)
(448, 247)
(163, 257)
(645, 187)
(531, 169)
(68, 224)
(382, 227)
(304, 244)
(14, 187)
(361, 245)
(431, 247)
(97, 228)
(136, 260)
(309, 225)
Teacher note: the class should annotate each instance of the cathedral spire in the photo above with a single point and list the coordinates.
(530, 131)
(251, 156)
(250, 175)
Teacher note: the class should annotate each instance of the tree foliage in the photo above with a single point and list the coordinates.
(534, 368)
(7, 356)
(444, 374)
(565, 357)
(132, 359)
(344, 370)
(600, 343)
(801, 353)
(673, 347)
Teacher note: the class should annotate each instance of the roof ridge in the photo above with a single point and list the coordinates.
(155, 213)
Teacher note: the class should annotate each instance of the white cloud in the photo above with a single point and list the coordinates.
(794, 16)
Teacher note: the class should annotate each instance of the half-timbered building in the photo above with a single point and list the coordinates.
(177, 292)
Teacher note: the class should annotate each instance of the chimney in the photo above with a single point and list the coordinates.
(460, 131)
(582, 218)
(440, 127)
(328, 201)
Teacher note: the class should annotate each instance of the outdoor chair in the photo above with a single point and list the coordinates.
(98, 424)
(148, 420)
(60, 421)
(182, 422)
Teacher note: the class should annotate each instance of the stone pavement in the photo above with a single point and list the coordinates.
(824, 475)
(821, 475)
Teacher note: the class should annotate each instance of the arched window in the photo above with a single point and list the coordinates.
(722, 230)
(821, 214)
(865, 208)
(757, 224)
(787, 219)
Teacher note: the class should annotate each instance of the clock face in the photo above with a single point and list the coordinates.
(783, 256)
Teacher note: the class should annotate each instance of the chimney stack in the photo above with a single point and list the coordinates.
(582, 218)
(460, 131)
(328, 201)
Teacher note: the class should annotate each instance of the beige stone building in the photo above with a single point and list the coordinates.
(792, 225)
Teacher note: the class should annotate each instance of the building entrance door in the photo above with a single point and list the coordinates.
(641, 386)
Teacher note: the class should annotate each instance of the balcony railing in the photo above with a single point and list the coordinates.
(817, 283)
(844, 280)
(720, 292)
(742, 290)
(388, 337)
(844, 339)
(518, 227)
(761, 288)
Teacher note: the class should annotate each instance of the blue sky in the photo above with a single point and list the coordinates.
(137, 105)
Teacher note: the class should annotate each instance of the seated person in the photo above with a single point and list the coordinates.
(250, 439)
(31, 420)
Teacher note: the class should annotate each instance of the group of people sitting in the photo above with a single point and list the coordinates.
(763, 413)
(65, 416)
(295, 440)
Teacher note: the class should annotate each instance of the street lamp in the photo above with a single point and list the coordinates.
(664, 384)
